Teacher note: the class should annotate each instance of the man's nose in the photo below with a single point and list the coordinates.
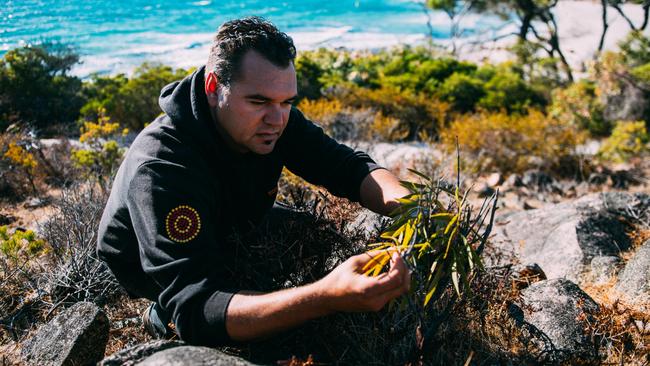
(274, 115)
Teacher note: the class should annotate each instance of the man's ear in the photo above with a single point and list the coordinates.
(211, 86)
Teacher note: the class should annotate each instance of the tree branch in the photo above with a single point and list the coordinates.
(605, 26)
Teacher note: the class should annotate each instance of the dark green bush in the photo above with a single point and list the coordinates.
(131, 101)
(35, 87)
(635, 49)
(507, 90)
(462, 91)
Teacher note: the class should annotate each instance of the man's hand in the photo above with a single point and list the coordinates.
(346, 288)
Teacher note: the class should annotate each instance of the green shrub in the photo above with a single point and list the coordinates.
(20, 244)
(132, 101)
(635, 49)
(102, 156)
(35, 87)
(628, 139)
(578, 104)
(462, 91)
(642, 73)
(507, 90)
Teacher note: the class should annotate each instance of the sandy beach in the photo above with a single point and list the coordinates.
(580, 26)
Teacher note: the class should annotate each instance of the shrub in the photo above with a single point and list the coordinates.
(132, 101)
(628, 139)
(308, 73)
(75, 273)
(20, 244)
(21, 159)
(462, 91)
(635, 49)
(414, 114)
(507, 90)
(20, 292)
(350, 124)
(28, 164)
(102, 156)
(418, 70)
(510, 143)
(35, 87)
(579, 105)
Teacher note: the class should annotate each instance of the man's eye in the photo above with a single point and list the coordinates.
(258, 101)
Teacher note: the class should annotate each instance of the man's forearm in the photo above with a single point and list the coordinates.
(380, 190)
(346, 288)
(251, 316)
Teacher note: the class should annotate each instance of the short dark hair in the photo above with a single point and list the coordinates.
(236, 37)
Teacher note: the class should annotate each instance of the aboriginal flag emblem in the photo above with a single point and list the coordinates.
(182, 224)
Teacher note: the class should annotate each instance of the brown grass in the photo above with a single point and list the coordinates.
(126, 324)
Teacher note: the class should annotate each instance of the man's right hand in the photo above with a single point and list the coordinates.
(347, 289)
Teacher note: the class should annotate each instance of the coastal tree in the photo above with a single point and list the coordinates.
(618, 6)
(35, 87)
(535, 19)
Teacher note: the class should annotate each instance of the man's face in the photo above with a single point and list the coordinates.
(253, 111)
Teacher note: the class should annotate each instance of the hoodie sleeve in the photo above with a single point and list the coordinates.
(319, 159)
(172, 216)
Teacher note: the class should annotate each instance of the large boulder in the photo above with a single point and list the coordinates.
(77, 336)
(634, 279)
(184, 355)
(564, 238)
(561, 310)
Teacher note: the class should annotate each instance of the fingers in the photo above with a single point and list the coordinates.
(398, 277)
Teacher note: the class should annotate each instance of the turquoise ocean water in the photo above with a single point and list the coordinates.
(115, 36)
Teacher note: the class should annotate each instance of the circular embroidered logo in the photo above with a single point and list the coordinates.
(182, 224)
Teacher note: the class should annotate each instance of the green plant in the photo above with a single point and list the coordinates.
(35, 87)
(102, 156)
(507, 90)
(19, 157)
(20, 244)
(628, 139)
(132, 101)
(511, 143)
(437, 234)
(413, 114)
(462, 91)
(578, 105)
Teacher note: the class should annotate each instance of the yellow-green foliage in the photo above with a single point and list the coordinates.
(434, 231)
(368, 123)
(415, 114)
(21, 157)
(103, 155)
(321, 109)
(511, 143)
(578, 104)
(23, 167)
(628, 139)
(19, 244)
(134, 100)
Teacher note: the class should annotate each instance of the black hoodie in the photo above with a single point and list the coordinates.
(180, 191)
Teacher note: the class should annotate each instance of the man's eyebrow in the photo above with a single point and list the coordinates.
(266, 99)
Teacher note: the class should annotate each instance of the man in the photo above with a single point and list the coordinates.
(210, 165)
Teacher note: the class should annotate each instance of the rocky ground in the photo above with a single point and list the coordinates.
(579, 253)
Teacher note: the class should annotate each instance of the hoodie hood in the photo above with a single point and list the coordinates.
(186, 104)
(185, 99)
